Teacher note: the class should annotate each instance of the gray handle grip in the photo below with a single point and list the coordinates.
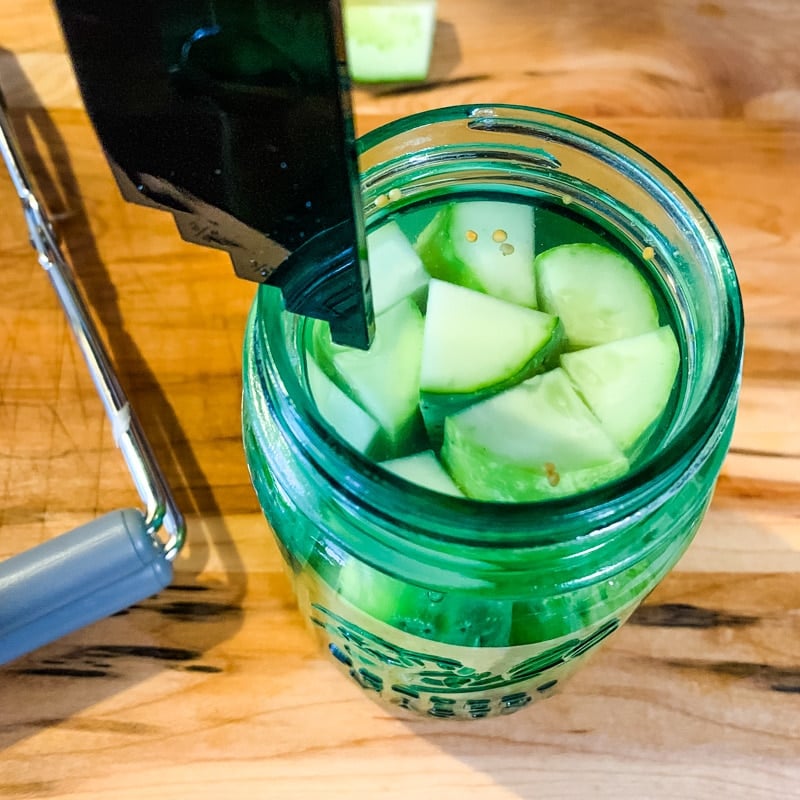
(77, 578)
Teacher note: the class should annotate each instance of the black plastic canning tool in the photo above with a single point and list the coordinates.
(235, 116)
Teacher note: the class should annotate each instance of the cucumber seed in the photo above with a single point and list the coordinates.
(553, 478)
(381, 200)
(499, 235)
(506, 249)
(648, 253)
(471, 236)
(395, 194)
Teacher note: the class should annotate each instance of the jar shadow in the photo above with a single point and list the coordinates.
(696, 666)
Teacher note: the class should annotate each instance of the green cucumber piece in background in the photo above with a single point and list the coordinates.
(533, 442)
(599, 295)
(475, 345)
(627, 383)
(486, 245)
(388, 40)
(396, 271)
(384, 380)
(342, 413)
(424, 469)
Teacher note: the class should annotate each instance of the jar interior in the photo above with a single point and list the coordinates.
(553, 160)
(568, 169)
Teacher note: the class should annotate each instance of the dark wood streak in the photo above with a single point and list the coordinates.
(685, 615)
(758, 492)
(188, 611)
(764, 676)
(792, 689)
(84, 662)
(747, 451)
(134, 651)
(202, 668)
(187, 587)
(64, 672)
(543, 73)
(28, 789)
(763, 363)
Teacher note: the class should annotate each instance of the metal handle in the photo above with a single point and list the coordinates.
(91, 571)
(77, 578)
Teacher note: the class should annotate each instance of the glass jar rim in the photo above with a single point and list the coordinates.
(597, 511)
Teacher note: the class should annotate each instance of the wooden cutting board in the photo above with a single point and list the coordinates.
(213, 689)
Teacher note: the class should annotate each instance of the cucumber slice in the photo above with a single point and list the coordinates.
(627, 383)
(475, 345)
(533, 442)
(485, 245)
(344, 415)
(396, 270)
(388, 40)
(473, 341)
(450, 618)
(424, 469)
(384, 380)
(599, 295)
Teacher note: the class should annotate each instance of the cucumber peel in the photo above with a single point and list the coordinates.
(475, 345)
(486, 245)
(533, 442)
(344, 415)
(424, 469)
(473, 341)
(384, 380)
(396, 271)
(599, 295)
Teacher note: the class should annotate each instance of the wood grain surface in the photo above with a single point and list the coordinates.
(213, 689)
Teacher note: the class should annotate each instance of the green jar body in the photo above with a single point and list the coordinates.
(455, 608)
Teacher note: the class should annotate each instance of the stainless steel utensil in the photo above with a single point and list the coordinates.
(116, 560)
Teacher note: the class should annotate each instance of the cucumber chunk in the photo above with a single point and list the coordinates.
(473, 341)
(587, 606)
(384, 380)
(533, 442)
(599, 295)
(484, 245)
(627, 383)
(424, 469)
(450, 618)
(344, 415)
(475, 345)
(388, 40)
(396, 270)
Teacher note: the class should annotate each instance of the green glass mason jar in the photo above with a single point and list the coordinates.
(451, 607)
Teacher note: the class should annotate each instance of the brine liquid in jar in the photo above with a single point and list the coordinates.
(522, 352)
